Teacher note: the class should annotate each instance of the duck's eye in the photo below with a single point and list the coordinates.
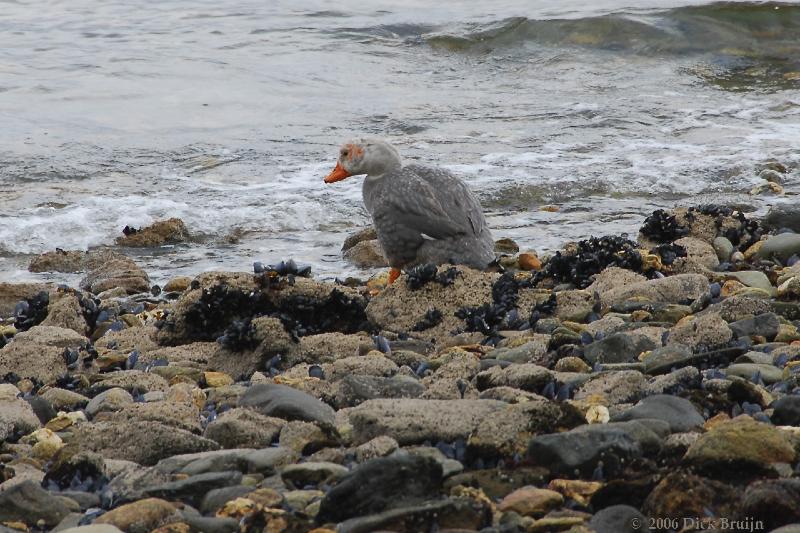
(344, 153)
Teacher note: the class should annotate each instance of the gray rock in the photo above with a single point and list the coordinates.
(451, 514)
(17, 418)
(786, 411)
(530, 352)
(782, 246)
(619, 519)
(192, 489)
(412, 421)
(723, 247)
(764, 325)
(285, 402)
(244, 428)
(672, 290)
(93, 528)
(783, 216)
(753, 278)
(701, 331)
(216, 498)
(772, 502)
(381, 484)
(680, 413)
(301, 475)
(208, 524)
(664, 359)
(263, 461)
(618, 348)
(526, 377)
(616, 387)
(28, 502)
(769, 373)
(109, 400)
(354, 389)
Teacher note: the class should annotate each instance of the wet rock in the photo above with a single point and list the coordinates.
(210, 524)
(412, 421)
(143, 442)
(680, 413)
(701, 331)
(121, 272)
(613, 387)
(786, 411)
(311, 473)
(664, 359)
(354, 390)
(531, 501)
(400, 308)
(509, 395)
(506, 246)
(366, 254)
(29, 503)
(366, 234)
(676, 289)
(451, 514)
(39, 353)
(781, 246)
(618, 348)
(284, 402)
(782, 216)
(142, 516)
(681, 494)
(180, 415)
(527, 377)
(192, 489)
(740, 446)
(244, 428)
(17, 418)
(170, 231)
(381, 484)
(59, 261)
(619, 519)
(764, 325)
(771, 503)
(581, 449)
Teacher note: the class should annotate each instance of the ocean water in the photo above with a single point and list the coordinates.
(228, 115)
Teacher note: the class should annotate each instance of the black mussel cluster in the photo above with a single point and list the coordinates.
(420, 275)
(338, 312)
(130, 230)
(547, 307)
(501, 313)
(218, 306)
(239, 336)
(669, 252)
(31, 311)
(433, 317)
(89, 306)
(284, 268)
(592, 257)
(660, 226)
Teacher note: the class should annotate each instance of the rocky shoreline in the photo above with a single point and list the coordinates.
(615, 386)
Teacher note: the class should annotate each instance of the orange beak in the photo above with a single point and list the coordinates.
(338, 174)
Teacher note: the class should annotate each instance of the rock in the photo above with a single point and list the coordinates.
(508, 431)
(771, 503)
(215, 499)
(142, 516)
(532, 351)
(701, 331)
(676, 289)
(682, 494)
(64, 311)
(381, 484)
(178, 284)
(366, 234)
(29, 503)
(180, 415)
(133, 381)
(529, 261)
(531, 501)
(680, 413)
(699, 252)
(574, 306)
(377, 447)
(287, 403)
(618, 348)
(526, 377)
(366, 254)
(94, 528)
(143, 442)
(39, 353)
(764, 325)
(506, 246)
(580, 450)
(244, 428)
(789, 289)
(613, 387)
(664, 359)
(723, 248)
(372, 365)
(305, 438)
(121, 272)
(247, 461)
(192, 489)
(17, 418)
(64, 400)
(786, 411)
(217, 379)
(753, 278)
(412, 421)
(451, 514)
(741, 445)
(619, 519)
(12, 293)
(108, 400)
(211, 524)
(170, 231)
(312, 473)
(400, 308)
(782, 246)
(59, 261)
(354, 390)
(768, 373)
(782, 216)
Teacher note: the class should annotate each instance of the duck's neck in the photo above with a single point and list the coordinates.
(373, 184)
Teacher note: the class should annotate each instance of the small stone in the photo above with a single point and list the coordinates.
(141, 516)
(178, 284)
(529, 261)
(366, 254)
(531, 501)
(312, 473)
(506, 246)
(723, 248)
(781, 246)
(619, 519)
(217, 379)
(110, 400)
(680, 413)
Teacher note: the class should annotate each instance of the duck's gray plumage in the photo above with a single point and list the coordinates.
(427, 215)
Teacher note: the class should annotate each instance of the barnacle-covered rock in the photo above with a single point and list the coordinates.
(120, 272)
(168, 231)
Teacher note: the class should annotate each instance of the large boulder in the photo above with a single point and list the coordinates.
(170, 231)
(39, 353)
